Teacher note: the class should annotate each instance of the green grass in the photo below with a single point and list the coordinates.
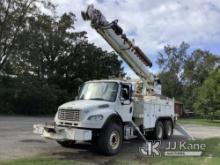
(211, 156)
(42, 161)
(199, 122)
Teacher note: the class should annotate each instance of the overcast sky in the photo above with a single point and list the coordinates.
(155, 23)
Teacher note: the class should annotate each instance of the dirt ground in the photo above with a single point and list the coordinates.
(18, 141)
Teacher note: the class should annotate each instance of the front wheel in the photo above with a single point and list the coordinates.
(110, 140)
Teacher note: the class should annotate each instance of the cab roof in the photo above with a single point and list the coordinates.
(109, 80)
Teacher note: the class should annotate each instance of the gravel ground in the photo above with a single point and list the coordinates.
(202, 132)
(18, 141)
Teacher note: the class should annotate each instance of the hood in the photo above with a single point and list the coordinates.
(84, 104)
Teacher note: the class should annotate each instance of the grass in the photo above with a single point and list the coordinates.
(42, 161)
(199, 122)
(211, 156)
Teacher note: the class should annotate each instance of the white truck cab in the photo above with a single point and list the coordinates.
(97, 100)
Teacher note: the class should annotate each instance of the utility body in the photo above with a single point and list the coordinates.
(106, 112)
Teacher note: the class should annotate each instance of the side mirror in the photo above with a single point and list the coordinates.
(78, 92)
(79, 89)
(121, 99)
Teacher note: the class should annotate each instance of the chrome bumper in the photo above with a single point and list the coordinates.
(62, 133)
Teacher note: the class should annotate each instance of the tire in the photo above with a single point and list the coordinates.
(110, 140)
(168, 129)
(158, 131)
(67, 143)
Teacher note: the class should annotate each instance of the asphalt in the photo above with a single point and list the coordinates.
(18, 141)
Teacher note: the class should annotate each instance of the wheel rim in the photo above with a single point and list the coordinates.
(159, 132)
(114, 140)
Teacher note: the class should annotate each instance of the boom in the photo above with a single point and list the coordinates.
(114, 35)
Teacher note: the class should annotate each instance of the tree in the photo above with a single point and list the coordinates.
(171, 86)
(208, 96)
(182, 73)
(50, 59)
(14, 15)
(196, 69)
(171, 61)
(51, 49)
(198, 66)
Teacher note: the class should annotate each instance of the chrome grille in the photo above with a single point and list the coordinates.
(68, 114)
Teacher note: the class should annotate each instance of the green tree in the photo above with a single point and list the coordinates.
(198, 66)
(14, 15)
(182, 73)
(51, 59)
(173, 58)
(171, 61)
(51, 49)
(171, 86)
(208, 96)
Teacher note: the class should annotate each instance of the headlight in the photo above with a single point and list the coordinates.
(95, 117)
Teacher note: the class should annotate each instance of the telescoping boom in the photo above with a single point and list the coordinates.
(114, 35)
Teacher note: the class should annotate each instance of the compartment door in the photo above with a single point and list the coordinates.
(148, 115)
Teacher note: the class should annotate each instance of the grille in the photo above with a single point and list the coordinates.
(69, 115)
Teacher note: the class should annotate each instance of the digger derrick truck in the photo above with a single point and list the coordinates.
(107, 112)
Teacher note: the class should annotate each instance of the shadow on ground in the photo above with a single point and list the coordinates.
(88, 153)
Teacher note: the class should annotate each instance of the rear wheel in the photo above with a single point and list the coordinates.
(158, 131)
(110, 140)
(168, 129)
(66, 143)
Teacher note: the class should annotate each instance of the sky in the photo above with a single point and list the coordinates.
(154, 23)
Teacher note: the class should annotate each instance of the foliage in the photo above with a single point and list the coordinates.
(182, 74)
(208, 98)
(51, 49)
(171, 86)
(14, 16)
(173, 58)
(29, 96)
(48, 56)
(198, 66)
(171, 61)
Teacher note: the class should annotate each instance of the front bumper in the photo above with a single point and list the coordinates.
(62, 133)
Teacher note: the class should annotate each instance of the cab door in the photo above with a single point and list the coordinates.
(125, 104)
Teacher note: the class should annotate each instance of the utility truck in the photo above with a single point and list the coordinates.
(106, 112)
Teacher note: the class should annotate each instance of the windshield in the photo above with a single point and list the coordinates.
(106, 91)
